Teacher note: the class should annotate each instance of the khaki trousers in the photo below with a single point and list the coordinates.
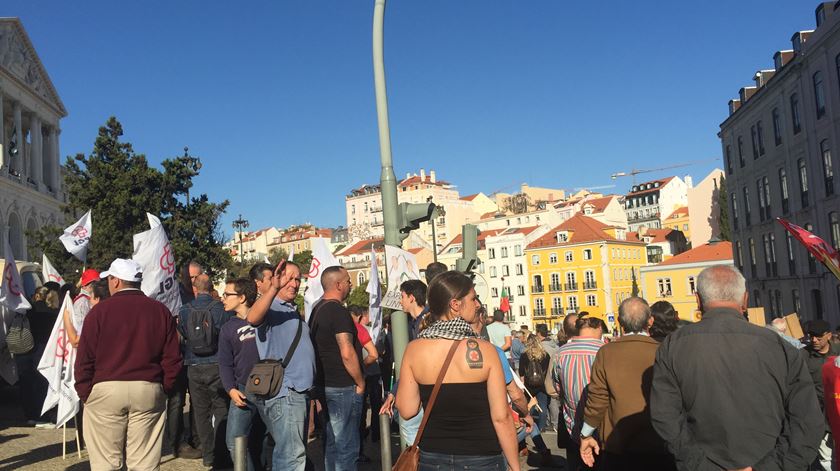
(125, 415)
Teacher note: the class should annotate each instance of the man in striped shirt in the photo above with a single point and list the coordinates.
(572, 369)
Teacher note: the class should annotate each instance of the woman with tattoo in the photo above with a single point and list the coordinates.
(470, 425)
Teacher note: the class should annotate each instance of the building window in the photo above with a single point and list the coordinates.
(491, 253)
(741, 151)
(834, 224)
(803, 183)
(492, 272)
(816, 296)
(518, 269)
(797, 307)
(571, 281)
(505, 270)
(664, 285)
(517, 250)
(734, 199)
(759, 129)
(819, 94)
(729, 160)
(767, 211)
(828, 167)
(494, 292)
(572, 303)
(790, 253)
(538, 284)
(555, 282)
(692, 285)
(539, 308)
(759, 184)
(756, 298)
(591, 300)
(751, 244)
(520, 290)
(754, 138)
(568, 255)
(504, 252)
(739, 256)
(535, 259)
(747, 206)
(812, 261)
(552, 258)
(562, 237)
(770, 266)
(587, 254)
(784, 188)
(589, 280)
(777, 126)
(522, 312)
(794, 113)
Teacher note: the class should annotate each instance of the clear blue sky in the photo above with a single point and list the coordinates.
(277, 97)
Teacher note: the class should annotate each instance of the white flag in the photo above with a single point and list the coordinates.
(49, 271)
(291, 254)
(11, 289)
(401, 266)
(375, 292)
(322, 258)
(57, 366)
(154, 253)
(77, 236)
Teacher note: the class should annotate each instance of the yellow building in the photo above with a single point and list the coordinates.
(675, 280)
(582, 265)
(679, 221)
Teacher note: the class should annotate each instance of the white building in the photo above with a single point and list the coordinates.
(31, 191)
(703, 209)
(606, 209)
(649, 203)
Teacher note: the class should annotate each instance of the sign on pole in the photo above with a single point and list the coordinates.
(401, 266)
(153, 252)
(57, 366)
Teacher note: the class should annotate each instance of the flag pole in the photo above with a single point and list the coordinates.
(78, 442)
(64, 441)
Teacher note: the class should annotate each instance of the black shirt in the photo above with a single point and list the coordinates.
(41, 321)
(328, 319)
(460, 422)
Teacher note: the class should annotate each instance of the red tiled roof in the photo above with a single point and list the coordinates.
(490, 215)
(662, 182)
(458, 239)
(519, 230)
(581, 229)
(415, 179)
(469, 197)
(599, 204)
(719, 251)
(682, 211)
(363, 246)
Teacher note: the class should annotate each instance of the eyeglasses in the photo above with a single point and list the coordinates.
(226, 294)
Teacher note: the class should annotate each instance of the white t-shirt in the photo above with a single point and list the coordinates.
(497, 332)
(81, 308)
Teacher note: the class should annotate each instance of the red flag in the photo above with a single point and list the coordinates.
(823, 252)
(504, 306)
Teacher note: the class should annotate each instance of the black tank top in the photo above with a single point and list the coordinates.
(460, 422)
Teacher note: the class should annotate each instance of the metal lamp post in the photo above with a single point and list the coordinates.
(241, 224)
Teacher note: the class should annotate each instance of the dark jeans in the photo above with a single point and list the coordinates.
(210, 402)
(631, 462)
(373, 395)
(175, 400)
(342, 410)
(32, 385)
(246, 421)
(441, 462)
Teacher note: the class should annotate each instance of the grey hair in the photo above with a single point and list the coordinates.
(721, 283)
(779, 325)
(634, 315)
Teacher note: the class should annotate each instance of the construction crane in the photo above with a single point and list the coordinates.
(635, 171)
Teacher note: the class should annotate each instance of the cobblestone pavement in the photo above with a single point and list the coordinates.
(27, 448)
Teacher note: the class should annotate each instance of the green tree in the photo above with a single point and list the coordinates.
(277, 254)
(304, 260)
(722, 199)
(119, 186)
(634, 291)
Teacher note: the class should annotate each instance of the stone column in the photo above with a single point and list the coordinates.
(3, 144)
(56, 176)
(16, 162)
(37, 152)
(50, 162)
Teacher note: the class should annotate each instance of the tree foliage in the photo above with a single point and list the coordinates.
(277, 254)
(120, 186)
(722, 200)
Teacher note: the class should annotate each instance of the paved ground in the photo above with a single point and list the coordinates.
(27, 448)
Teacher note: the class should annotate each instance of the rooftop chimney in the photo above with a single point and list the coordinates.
(689, 182)
(746, 92)
(734, 104)
(823, 11)
(422, 174)
(762, 77)
(407, 175)
(781, 58)
(432, 176)
(798, 39)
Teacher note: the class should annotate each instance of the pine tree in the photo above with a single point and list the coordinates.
(723, 210)
(635, 289)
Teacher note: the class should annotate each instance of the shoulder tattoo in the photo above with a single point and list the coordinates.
(474, 358)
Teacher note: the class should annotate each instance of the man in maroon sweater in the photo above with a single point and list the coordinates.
(127, 358)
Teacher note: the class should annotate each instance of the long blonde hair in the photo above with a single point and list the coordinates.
(534, 349)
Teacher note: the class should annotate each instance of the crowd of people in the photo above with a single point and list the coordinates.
(664, 394)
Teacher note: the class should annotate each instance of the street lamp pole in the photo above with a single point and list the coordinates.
(241, 224)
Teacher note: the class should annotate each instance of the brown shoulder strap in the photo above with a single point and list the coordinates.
(435, 391)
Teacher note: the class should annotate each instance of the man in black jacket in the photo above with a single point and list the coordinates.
(728, 394)
(816, 352)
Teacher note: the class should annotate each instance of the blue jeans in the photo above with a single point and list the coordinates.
(441, 462)
(343, 411)
(541, 417)
(285, 418)
(245, 421)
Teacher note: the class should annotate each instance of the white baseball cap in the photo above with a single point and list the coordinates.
(124, 269)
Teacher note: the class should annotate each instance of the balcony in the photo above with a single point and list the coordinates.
(665, 294)
(571, 286)
(537, 289)
(376, 209)
(539, 312)
(555, 287)
(556, 311)
(590, 285)
(377, 223)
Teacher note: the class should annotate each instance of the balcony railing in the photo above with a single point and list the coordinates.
(557, 311)
(555, 287)
(539, 312)
(590, 285)
(537, 288)
(376, 209)
(571, 286)
(377, 223)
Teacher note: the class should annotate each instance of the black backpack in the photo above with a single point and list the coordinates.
(202, 331)
(534, 374)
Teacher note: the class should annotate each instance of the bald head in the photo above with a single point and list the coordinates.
(331, 276)
(201, 284)
(779, 324)
(634, 315)
(721, 286)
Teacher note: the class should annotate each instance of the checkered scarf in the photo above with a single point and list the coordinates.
(455, 329)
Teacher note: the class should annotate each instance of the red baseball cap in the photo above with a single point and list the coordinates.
(89, 276)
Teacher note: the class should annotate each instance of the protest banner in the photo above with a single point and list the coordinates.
(794, 327)
(756, 316)
(374, 298)
(820, 249)
(11, 288)
(76, 237)
(322, 259)
(56, 366)
(401, 266)
(49, 271)
(153, 252)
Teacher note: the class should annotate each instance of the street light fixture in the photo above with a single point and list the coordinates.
(240, 224)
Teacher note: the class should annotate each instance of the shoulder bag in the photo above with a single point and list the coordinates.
(266, 376)
(409, 459)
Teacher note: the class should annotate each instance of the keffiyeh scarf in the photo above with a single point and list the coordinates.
(455, 329)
